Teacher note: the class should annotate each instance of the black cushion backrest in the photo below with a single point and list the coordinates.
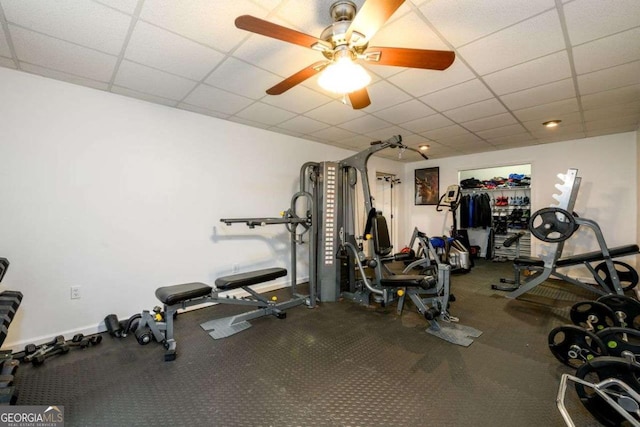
(381, 241)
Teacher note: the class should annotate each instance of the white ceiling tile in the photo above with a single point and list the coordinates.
(533, 73)
(126, 6)
(490, 107)
(143, 96)
(305, 16)
(4, 46)
(546, 112)
(445, 132)
(415, 140)
(457, 96)
(460, 140)
(544, 94)
(621, 95)
(263, 113)
(564, 137)
(510, 130)
(515, 44)
(154, 82)
(610, 78)
(298, 100)
(248, 122)
(364, 124)
(335, 113)
(215, 99)
(200, 110)
(358, 141)
(384, 133)
(63, 56)
(78, 21)
(421, 82)
(586, 18)
(303, 125)
(496, 121)
(519, 140)
(65, 77)
(400, 33)
(333, 133)
(242, 78)
(614, 122)
(158, 48)
(208, 22)
(609, 131)
(427, 123)
(475, 147)
(7, 62)
(407, 111)
(383, 94)
(613, 111)
(607, 52)
(462, 21)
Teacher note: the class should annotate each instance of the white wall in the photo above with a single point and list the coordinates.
(119, 196)
(608, 194)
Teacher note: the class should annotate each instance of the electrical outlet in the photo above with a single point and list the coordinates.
(235, 268)
(75, 292)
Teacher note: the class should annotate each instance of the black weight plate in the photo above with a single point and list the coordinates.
(627, 275)
(593, 315)
(598, 370)
(628, 306)
(574, 346)
(619, 339)
(546, 225)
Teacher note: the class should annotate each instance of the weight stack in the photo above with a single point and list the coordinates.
(9, 303)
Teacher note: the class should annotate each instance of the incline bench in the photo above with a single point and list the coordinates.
(177, 297)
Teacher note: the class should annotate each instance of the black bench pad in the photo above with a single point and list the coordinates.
(250, 278)
(175, 294)
(402, 281)
(618, 251)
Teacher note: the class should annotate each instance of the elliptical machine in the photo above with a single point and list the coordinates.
(454, 250)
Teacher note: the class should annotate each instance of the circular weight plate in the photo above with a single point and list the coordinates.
(574, 346)
(619, 339)
(627, 275)
(593, 315)
(552, 225)
(598, 370)
(623, 306)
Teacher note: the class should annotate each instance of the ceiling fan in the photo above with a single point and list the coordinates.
(343, 44)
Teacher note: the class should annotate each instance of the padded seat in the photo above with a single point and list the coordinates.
(175, 294)
(404, 281)
(250, 278)
(527, 261)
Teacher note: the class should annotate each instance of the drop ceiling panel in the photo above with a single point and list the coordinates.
(205, 21)
(610, 78)
(4, 45)
(126, 6)
(496, 121)
(158, 48)
(242, 78)
(143, 96)
(545, 112)
(381, 134)
(481, 109)
(82, 22)
(153, 82)
(519, 140)
(544, 94)
(515, 45)
(266, 114)
(533, 73)
(6, 62)
(334, 113)
(364, 124)
(456, 96)
(401, 33)
(299, 100)
(383, 94)
(604, 53)
(515, 129)
(66, 77)
(434, 121)
(463, 21)
(217, 100)
(444, 133)
(405, 112)
(333, 133)
(621, 95)
(592, 19)
(613, 111)
(421, 82)
(62, 56)
(303, 125)
(613, 122)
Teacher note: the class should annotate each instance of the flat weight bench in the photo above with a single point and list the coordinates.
(532, 263)
(177, 297)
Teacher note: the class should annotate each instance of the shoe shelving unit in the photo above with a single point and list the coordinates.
(510, 219)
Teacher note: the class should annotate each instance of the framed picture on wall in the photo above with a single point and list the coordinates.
(427, 183)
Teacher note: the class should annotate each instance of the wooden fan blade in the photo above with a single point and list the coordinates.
(371, 16)
(269, 29)
(359, 99)
(412, 58)
(297, 78)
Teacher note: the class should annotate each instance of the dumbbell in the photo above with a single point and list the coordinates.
(32, 352)
(41, 357)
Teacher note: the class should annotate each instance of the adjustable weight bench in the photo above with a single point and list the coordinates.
(185, 295)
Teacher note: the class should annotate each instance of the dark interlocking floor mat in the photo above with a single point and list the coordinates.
(336, 365)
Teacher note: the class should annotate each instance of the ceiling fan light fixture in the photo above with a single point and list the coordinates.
(344, 76)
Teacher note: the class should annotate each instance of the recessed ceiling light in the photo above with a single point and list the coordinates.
(423, 147)
(551, 123)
